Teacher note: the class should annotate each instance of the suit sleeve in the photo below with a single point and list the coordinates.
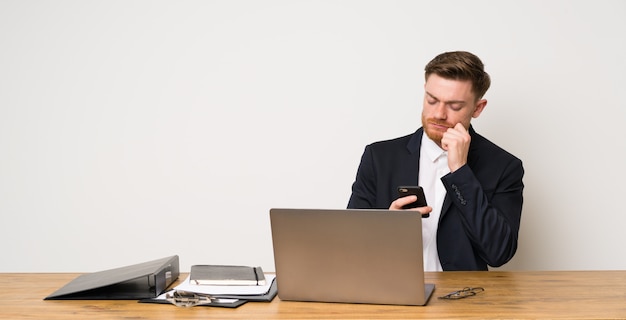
(364, 187)
(490, 217)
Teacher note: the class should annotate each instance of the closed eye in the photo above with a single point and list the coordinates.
(456, 106)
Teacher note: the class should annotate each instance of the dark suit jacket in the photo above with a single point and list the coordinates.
(480, 217)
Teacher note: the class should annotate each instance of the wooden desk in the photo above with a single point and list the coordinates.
(568, 294)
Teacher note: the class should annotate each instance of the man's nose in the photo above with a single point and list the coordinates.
(440, 111)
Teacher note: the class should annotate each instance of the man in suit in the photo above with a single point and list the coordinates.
(473, 187)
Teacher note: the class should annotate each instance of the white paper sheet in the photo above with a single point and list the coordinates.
(227, 290)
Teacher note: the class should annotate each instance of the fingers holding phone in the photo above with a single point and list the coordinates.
(411, 198)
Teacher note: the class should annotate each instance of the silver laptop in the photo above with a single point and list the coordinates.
(350, 256)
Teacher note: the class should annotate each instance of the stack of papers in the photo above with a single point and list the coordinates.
(253, 290)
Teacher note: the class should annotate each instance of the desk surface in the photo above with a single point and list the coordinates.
(553, 294)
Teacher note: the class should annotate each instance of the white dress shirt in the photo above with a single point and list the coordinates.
(433, 165)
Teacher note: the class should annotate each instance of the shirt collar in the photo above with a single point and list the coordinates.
(431, 149)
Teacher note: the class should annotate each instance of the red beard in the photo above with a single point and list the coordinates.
(432, 130)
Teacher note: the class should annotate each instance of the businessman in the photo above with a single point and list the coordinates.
(472, 186)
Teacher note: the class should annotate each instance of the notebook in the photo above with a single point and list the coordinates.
(349, 256)
(229, 275)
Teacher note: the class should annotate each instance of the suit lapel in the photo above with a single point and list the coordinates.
(411, 172)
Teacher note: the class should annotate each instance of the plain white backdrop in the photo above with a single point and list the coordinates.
(134, 130)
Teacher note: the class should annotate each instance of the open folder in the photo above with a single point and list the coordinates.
(139, 281)
(223, 295)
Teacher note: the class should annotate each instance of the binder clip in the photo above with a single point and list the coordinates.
(188, 299)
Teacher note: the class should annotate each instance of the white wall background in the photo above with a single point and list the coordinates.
(134, 130)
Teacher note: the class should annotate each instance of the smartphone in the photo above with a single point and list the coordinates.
(404, 191)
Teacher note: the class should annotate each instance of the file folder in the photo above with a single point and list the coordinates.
(139, 281)
(227, 300)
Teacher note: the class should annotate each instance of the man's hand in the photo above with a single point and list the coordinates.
(401, 202)
(456, 141)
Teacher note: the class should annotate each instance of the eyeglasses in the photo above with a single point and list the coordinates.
(463, 293)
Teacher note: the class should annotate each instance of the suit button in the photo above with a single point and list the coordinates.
(458, 194)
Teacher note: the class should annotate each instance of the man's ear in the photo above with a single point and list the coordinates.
(480, 106)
